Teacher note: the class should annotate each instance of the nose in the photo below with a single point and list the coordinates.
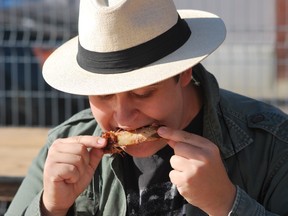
(125, 111)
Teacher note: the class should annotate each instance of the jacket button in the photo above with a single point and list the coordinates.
(258, 118)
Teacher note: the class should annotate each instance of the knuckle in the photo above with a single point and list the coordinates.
(83, 150)
(72, 168)
(78, 160)
(186, 137)
(173, 159)
(173, 162)
(78, 139)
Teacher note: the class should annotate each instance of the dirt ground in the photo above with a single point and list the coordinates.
(18, 147)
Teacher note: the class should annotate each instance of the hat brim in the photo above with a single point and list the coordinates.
(62, 71)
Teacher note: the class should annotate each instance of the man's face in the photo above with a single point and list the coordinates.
(160, 103)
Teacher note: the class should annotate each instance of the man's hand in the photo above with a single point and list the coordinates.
(69, 168)
(199, 173)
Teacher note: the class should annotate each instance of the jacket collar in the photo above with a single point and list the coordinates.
(211, 98)
(217, 127)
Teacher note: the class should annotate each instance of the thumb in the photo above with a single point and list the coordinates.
(165, 133)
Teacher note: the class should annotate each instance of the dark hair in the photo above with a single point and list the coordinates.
(177, 77)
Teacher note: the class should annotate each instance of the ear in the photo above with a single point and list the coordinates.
(185, 77)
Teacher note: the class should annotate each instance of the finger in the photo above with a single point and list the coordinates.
(82, 146)
(188, 151)
(180, 136)
(178, 163)
(78, 161)
(91, 156)
(171, 143)
(176, 177)
(88, 141)
(64, 172)
(70, 148)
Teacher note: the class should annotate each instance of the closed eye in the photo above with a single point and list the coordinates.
(142, 95)
(105, 97)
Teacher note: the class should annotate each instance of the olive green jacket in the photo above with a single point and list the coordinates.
(252, 138)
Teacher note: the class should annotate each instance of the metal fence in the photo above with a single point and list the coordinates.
(30, 29)
(253, 60)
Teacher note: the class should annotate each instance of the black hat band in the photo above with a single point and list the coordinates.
(135, 57)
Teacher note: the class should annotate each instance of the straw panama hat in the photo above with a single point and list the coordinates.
(128, 44)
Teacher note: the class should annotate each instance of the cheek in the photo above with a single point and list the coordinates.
(172, 107)
(101, 113)
(162, 109)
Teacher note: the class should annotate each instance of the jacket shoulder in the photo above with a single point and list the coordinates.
(255, 114)
(82, 123)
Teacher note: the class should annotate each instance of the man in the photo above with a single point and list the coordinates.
(138, 62)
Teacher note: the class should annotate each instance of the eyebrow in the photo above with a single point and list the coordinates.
(148, 86)
(155, 84)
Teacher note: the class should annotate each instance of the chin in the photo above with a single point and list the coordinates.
(145, 149)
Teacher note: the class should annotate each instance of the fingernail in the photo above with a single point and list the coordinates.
(101, 141)
(162, 130)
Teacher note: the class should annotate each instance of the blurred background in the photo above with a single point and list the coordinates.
(29, 31)
(252, 61)
(254, 57)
